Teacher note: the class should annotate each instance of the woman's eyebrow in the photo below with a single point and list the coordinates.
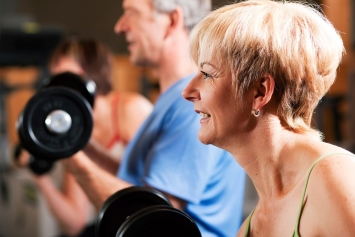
(203, 63)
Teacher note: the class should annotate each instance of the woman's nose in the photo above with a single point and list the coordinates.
(191, 93)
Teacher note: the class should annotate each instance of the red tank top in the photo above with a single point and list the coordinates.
(116, 137)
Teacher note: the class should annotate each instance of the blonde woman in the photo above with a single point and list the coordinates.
(264, 66)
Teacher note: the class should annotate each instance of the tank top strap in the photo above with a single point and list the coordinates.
(114, 104)
(247, 227)
(295, 232)
(114, 113)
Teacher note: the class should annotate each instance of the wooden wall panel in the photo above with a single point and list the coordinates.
(127, 77)
(338, 12)
(15, 101)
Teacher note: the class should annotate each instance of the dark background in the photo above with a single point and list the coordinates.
(91, 18)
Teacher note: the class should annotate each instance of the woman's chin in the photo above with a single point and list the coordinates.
(204, 139)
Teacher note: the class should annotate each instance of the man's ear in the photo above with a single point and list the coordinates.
(263, 90)
(176, 21)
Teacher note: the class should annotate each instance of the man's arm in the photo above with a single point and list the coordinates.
(99, 184)
(100, 155)
(96, 182)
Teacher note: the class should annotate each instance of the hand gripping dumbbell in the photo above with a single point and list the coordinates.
(37, 166)
(142, 211)
(57, 121)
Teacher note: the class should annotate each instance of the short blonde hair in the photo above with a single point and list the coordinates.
(292, 41)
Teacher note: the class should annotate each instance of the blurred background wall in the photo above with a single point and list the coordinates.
(23, 211)
(85, 17)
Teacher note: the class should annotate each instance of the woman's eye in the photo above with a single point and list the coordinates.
(205, 75)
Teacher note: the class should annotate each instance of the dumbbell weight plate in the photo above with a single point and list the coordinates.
(86, 88)
(159, 221)
(124, 203)
(55, 139)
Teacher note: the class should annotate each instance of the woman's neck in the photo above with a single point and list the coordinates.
(271, 157)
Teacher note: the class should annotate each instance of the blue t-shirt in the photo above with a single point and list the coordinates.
(167, 155)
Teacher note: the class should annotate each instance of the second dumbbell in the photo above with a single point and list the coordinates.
(143, 211)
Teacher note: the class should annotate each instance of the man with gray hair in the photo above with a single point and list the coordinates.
(193, 11)
(165, 153)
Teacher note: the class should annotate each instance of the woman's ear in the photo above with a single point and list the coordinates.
(263, 91)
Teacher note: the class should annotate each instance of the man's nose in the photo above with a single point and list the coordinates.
(120, 26)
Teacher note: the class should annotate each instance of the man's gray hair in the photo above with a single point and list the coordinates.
(194, 10)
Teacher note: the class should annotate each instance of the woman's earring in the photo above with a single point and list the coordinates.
(255, 113)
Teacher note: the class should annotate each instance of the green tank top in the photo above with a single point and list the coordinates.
(295, 232)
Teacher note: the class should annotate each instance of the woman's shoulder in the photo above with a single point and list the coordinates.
(242, 229)
(327, 154)
(132, 97)
(331, 190)
(324, 153)
(332, 164)
(130, 109)
(127, 99)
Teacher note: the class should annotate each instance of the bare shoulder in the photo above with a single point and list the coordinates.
(331, 193)
(241, 231)
(133, 109)
(334, 165)
(131, 99)
(334, 171)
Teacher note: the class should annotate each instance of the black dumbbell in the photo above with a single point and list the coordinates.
(142, 211)
(37, 166)
(57, 121)
(84, 87)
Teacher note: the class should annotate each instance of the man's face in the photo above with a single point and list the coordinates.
(144, 29)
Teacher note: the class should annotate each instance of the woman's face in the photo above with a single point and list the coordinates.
(66, 64)
(214, 98)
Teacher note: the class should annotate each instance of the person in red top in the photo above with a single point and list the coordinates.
(117, 117)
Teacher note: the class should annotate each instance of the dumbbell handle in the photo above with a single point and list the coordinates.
(39, 166)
